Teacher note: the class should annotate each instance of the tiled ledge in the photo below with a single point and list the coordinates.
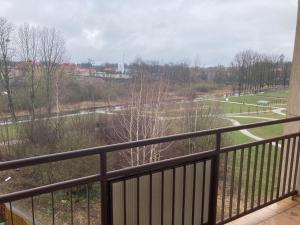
(285, 212)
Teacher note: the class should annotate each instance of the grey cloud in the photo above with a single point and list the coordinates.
(164, 30)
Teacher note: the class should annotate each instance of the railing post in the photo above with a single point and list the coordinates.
(214, 182)
(296, 185)
(104, 190)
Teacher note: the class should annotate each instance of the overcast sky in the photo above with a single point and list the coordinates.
(211, 31)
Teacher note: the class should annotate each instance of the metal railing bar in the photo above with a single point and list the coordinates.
(240, 180)
(232, 183)
(203, 191)
(13, 164)
(268, 173)
(254, 143)
(150, 199)
(173, 195)
(274, 169)
(32, 210)
(254, 176)
(183, 194)
(224, 186)
(18, 195)
(158, 166)
(110, 205)
(287, 150)
(125, 202)
(296, 166)
(214, 182)
(247, 178)
(162, 197)
(88, 204)
(292, 164)
(11, 213)
(280, 167)
(262, 161)
(71, 206)
(104, 191)
(52, 206)
(194, 193)
(138, 200)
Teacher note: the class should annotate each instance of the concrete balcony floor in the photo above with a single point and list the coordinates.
(285, 212)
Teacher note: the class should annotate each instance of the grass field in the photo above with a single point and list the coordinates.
(256, 98)
(274, 98)
(263, 132)
(228, 107)
(270, 115)
(9, 131)
(277, 94)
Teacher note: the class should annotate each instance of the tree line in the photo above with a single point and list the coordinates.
(249, 71)
(40, 51)
(254, 71)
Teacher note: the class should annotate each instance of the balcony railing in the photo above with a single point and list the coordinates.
(211, 187)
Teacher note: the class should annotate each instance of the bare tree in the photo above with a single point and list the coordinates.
(257, 71)
(142, 119)
(6, 53)
(28, 46)
(52, 50)
(197, 116)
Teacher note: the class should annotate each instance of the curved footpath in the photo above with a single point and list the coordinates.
(230, 116)
(247, 132)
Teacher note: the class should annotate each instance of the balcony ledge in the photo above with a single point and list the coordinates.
(281, 213)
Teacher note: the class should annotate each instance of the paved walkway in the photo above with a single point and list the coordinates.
(244, 132)
(279, 111)
(247, 132)
(230, 116)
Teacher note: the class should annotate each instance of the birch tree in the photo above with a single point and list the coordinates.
(52, 50)
(6, 54)
(197, 116)
(28, 42)
(142, 118)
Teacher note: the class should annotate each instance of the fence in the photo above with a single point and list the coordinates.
(211, 187)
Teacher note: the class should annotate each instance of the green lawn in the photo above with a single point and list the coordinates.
(273, 97)
(177, 109)
(9, 131)
(270, 115)
(263, 132)
(237, 138)
(228, 107)
(254, 99)
(276, 94)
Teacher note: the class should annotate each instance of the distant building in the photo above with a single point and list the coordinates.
(112, 75)
(121, 68)
(109, 69)
(85, 71)
(68, 68)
